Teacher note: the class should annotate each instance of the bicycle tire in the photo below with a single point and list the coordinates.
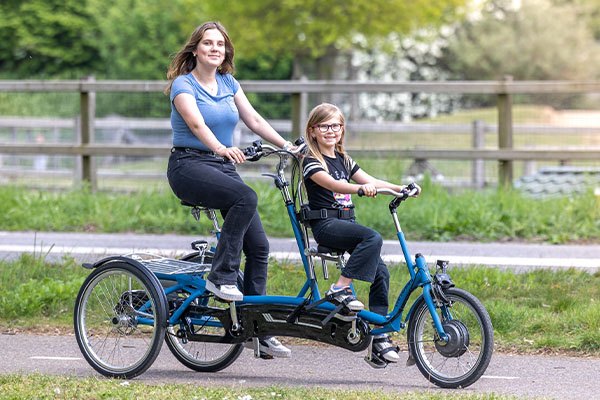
(462, 361)
(204, 356)
(120, 319)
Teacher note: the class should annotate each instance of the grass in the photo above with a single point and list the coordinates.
(538, 311)
(488, 215)
(56, 387)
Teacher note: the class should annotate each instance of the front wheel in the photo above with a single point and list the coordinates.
(119, 319)
(461, 360)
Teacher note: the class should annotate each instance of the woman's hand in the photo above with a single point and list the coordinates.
(234, 154)
(369, 190)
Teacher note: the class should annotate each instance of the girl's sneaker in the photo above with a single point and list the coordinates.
(385, 349)
(345, 294)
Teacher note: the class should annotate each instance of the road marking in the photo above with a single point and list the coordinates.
(55, 358)
(584, 263)
(580, 263)
(500, 377)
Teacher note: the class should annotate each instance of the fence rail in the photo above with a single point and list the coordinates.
(505, 154)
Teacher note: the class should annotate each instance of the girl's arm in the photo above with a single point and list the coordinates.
(326, 181)
(186, 106)
(363, 178)
(256, 122)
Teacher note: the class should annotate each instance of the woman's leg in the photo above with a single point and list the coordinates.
(256, 250)
(214, 183)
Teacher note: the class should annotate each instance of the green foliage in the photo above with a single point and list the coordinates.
(47, 38)
(310, 27)
(313, 30)
(33, 288)
(138, 37)
(435, 215)
(496, 44)
(545, 309)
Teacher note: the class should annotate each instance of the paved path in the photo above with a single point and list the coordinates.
(90, 247)
(524, 376)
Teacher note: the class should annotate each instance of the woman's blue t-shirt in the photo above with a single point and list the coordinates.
(219, 112)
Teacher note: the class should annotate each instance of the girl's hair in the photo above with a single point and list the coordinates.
(324, 112)
(184, 61)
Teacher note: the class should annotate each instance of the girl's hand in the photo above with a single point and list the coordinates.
(234, 154)
(369, 190)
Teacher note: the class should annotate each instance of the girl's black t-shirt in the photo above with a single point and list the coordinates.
(340, 168)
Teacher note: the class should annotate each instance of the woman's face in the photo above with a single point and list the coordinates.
(211, 49)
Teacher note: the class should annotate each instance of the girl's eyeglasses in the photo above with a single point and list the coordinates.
(325, 127)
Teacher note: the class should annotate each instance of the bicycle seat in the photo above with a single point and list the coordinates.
(325, 249)
(186, 204)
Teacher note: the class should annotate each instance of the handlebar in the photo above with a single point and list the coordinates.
(411, 190)
(259, 150)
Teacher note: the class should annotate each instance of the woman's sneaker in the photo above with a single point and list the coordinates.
(270, 346)
(225, 292)
(385, 349)
(345, 294)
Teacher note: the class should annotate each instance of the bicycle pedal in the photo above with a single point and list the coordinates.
(376, 362)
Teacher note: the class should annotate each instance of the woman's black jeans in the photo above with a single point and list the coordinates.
(209, 180)
(365, 263)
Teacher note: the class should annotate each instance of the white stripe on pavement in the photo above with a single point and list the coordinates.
(55, 358)
(480, 260)
(582, 263)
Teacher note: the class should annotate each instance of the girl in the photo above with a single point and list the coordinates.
(327, 171)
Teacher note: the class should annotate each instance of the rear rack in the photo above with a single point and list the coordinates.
(168, 266)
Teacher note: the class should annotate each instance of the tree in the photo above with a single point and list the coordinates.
(136, 37)
(46, 38)
(314, 32)
(537, 41)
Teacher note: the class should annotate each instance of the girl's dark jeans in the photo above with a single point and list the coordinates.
(213, 182)
(365, 263)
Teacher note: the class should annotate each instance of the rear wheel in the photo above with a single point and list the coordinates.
(203, 356)
(461, 360)
(119, 319)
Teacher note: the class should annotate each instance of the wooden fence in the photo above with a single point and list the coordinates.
(85, 149)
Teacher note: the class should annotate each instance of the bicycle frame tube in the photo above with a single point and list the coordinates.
(418, 278)
(311, 282)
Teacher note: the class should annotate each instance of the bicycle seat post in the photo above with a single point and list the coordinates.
(212, 215)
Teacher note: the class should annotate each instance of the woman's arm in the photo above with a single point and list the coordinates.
(185, 104)
(256, 122)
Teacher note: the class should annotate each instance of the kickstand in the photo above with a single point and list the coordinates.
(256, 347)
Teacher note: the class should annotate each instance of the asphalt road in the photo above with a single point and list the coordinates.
(89, 247)
(324, 366)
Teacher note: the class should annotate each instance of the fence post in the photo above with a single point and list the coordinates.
(478, 173)
(86, 133)
(299, 111)
(505, 135)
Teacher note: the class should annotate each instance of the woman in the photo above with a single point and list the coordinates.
(206, 105)
(327, 172)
